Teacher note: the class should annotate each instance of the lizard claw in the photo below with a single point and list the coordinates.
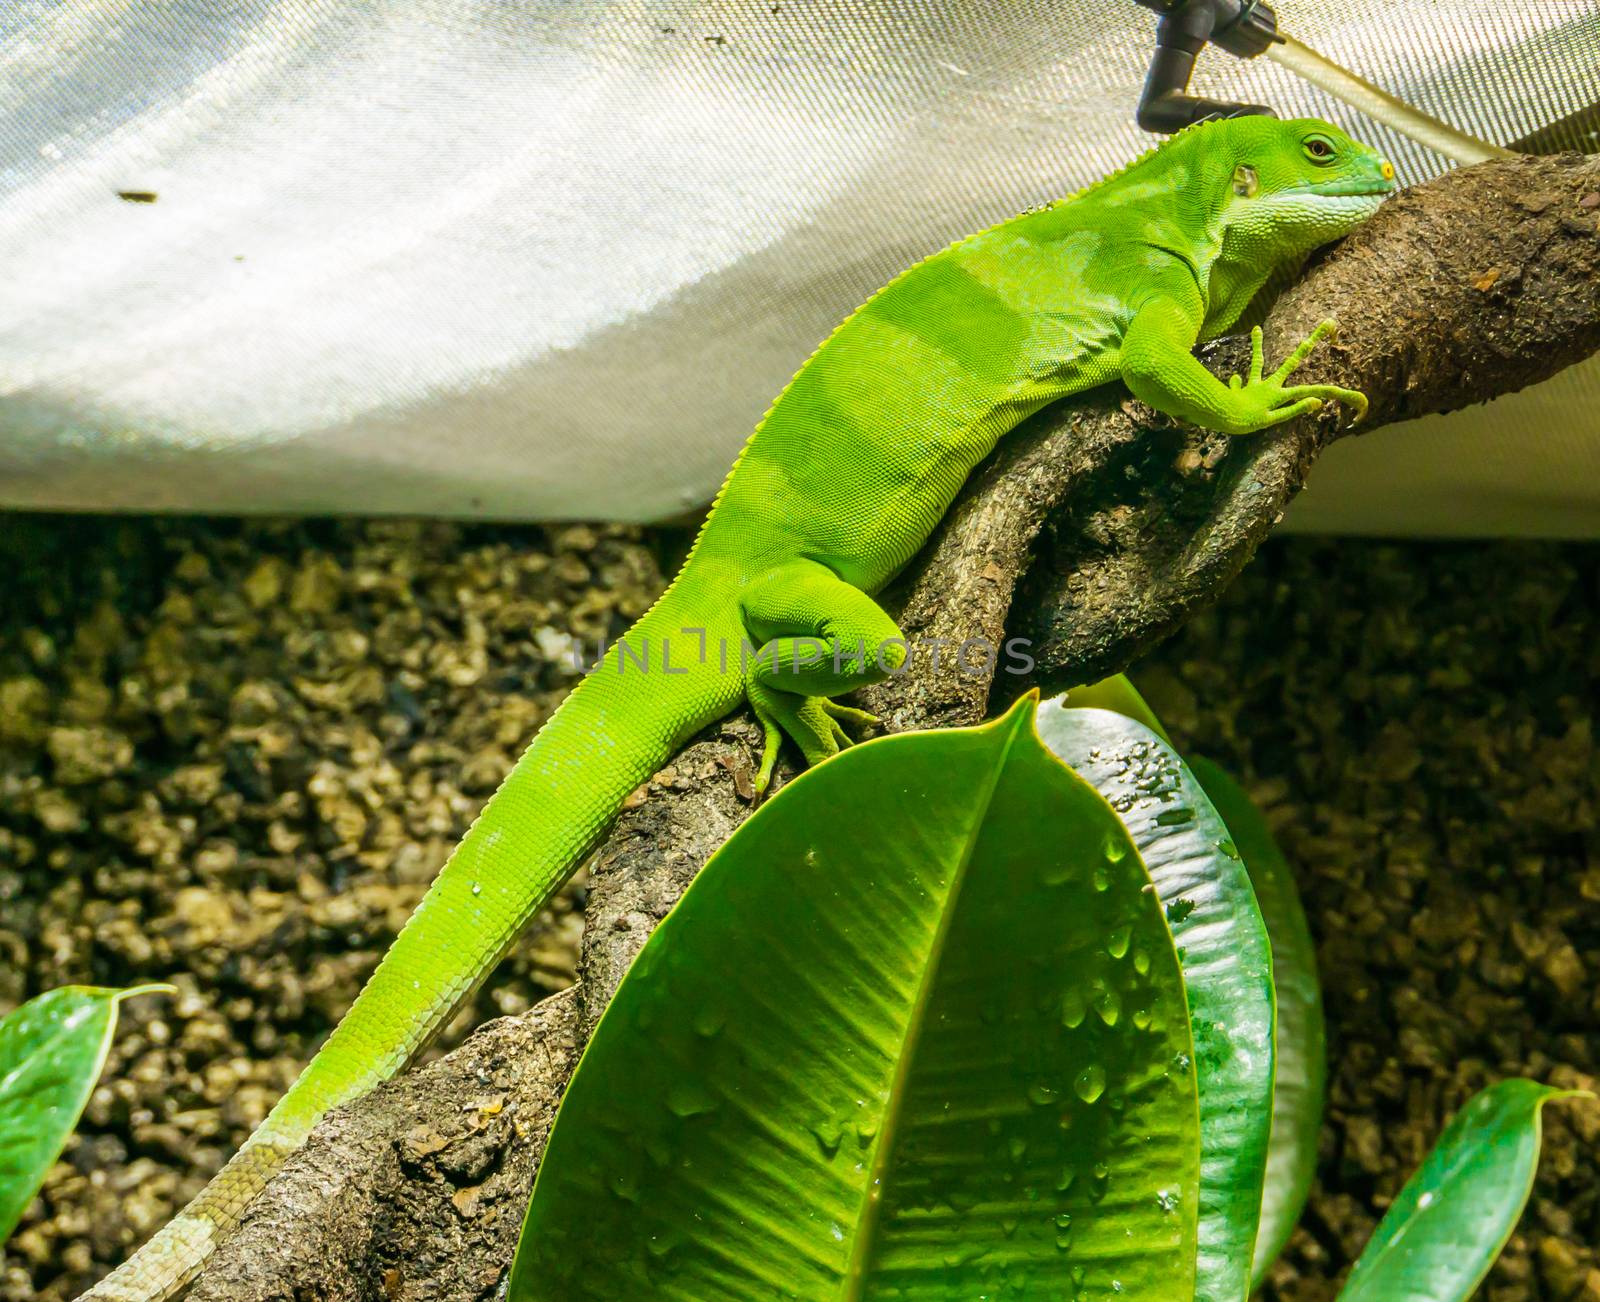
(771, 740)
(849, 714)
(815, 723)
(1264, 400)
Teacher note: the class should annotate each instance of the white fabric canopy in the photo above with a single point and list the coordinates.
(553, 259)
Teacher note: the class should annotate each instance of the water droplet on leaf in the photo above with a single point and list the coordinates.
(827, 1134)
(709, 1019)
(688, 1099)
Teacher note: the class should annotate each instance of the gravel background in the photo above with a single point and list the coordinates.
(1419, 721)
(232, 755)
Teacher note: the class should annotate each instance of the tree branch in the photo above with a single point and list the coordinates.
(1474, 285)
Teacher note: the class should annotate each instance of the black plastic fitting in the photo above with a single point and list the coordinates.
(1242, 27)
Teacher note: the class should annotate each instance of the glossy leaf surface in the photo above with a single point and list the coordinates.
(1301, 1058)
(1116, 693)
(917, 1031)
(51, 1052)
(1227, 966)
(1449, 1223)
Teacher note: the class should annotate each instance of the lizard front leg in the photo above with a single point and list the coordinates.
(815, 637)
(1159, 367)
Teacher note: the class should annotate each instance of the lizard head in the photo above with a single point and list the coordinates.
(1300, 183)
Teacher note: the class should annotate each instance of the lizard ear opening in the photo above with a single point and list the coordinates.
(1245, 181)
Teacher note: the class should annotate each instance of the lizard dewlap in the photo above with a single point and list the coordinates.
(840, 485)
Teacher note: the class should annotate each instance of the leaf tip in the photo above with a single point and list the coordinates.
(1021, 711)
(149, 988)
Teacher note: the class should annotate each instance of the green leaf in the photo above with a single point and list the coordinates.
(51, 1053)
(1455, 1214)
(893, 1042)
(1300, 1073)
(1227, 966)
(1301, 1076)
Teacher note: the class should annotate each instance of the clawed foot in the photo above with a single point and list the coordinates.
(815, 723)
(1268, 401)
(845, 714)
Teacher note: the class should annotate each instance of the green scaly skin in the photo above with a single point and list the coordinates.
(840, 485)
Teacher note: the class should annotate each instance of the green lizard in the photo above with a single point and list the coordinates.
(840, 485)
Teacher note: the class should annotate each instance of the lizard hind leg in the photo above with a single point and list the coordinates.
(814, 637)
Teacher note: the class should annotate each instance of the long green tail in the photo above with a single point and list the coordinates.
(621, 724)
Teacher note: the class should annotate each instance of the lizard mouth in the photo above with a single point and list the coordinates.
(1342, 203)
(1354, 188)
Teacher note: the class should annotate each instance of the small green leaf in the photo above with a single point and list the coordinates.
(1455, 1214)
(51, 1053)
(1301, 1078)
(880, 1049)
(1227, 966)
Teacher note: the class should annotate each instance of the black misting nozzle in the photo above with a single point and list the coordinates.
(1242, 27)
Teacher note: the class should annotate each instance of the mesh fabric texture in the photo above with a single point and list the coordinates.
(553, 259)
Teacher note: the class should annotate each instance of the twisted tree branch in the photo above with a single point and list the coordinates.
(1474, 285)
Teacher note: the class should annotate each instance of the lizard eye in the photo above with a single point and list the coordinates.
(1318, 149)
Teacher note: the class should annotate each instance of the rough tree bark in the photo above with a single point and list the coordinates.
(1477, 284)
